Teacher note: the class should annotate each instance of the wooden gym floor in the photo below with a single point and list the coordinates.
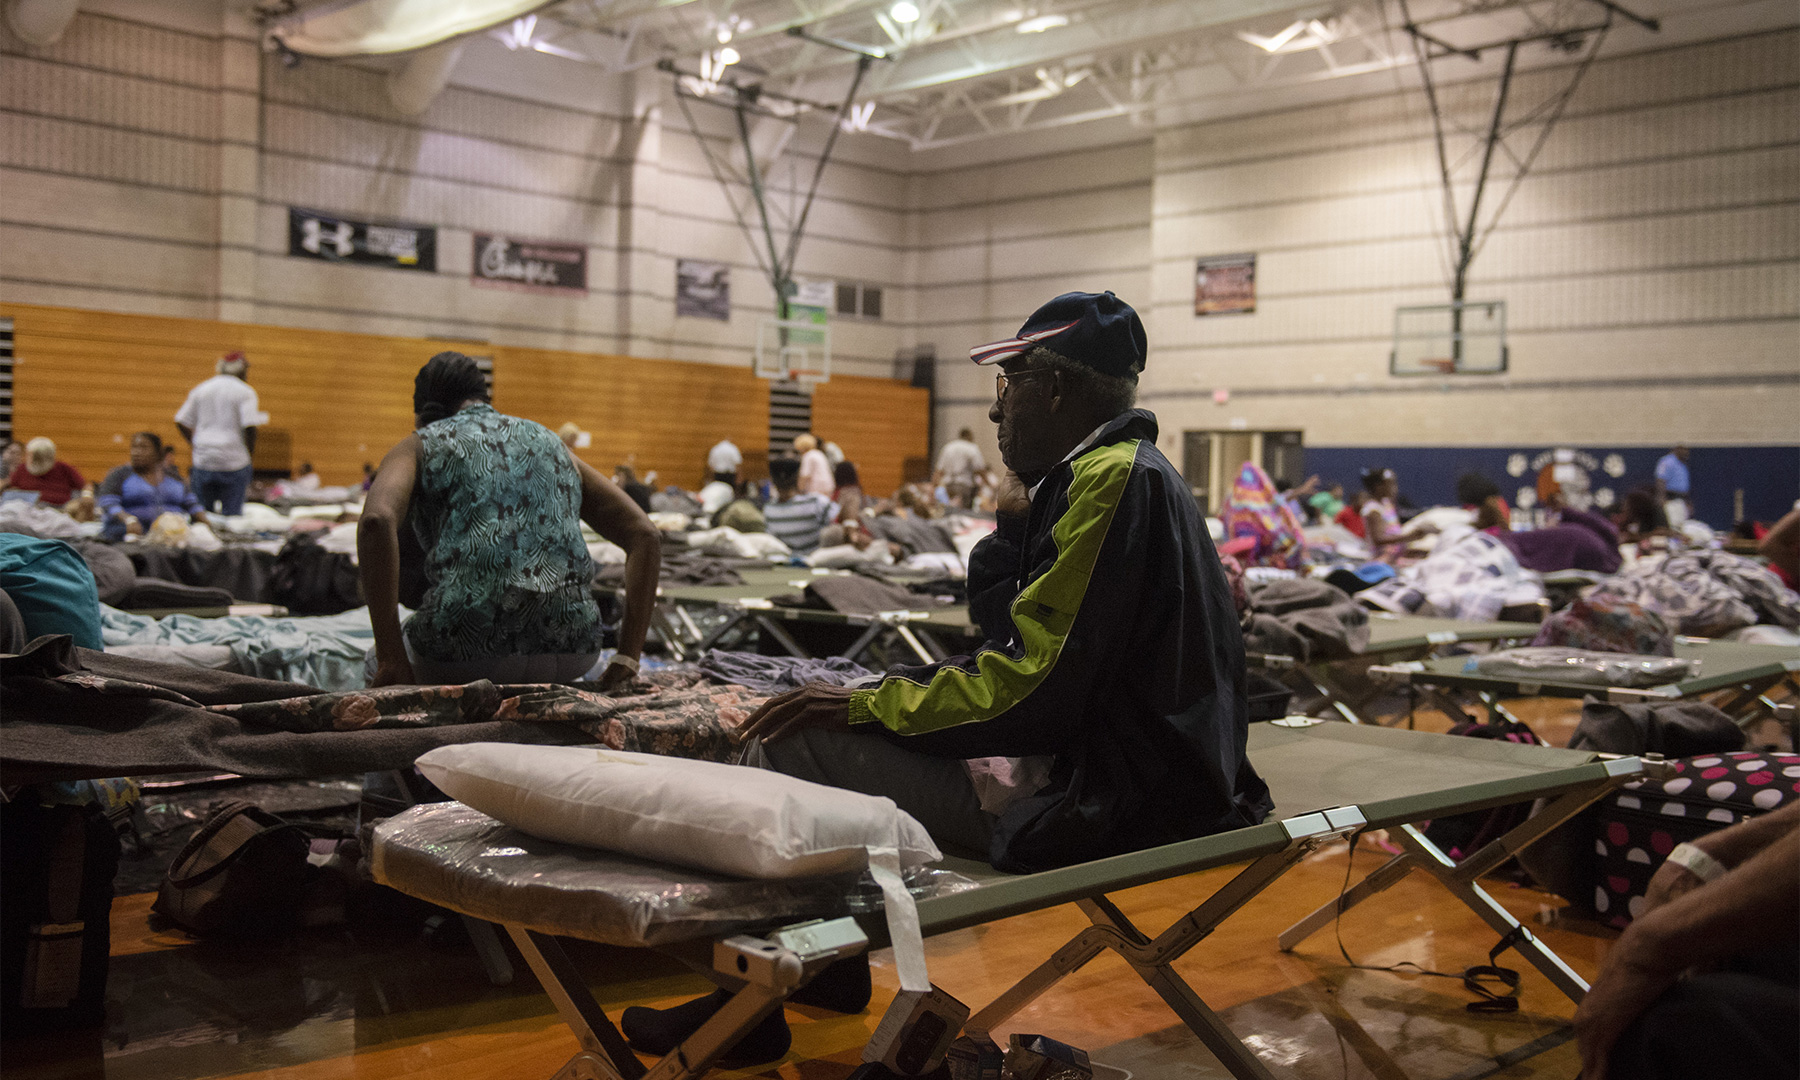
(338, 1004)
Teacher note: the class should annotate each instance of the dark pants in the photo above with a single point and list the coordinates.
(221, 491)
(1721, 1025)
(936, 791)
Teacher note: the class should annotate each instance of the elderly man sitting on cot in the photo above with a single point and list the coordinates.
(1106, 711)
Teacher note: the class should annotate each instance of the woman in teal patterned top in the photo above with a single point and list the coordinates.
(496, 503)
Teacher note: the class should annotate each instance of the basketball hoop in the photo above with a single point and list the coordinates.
(797, 350)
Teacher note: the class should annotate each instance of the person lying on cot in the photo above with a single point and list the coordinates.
(496, 503)
(1106, 711)
(1705, 982)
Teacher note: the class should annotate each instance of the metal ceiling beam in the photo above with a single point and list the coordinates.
(1159, 22)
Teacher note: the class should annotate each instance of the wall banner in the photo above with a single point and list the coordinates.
(530, 265)
(1225, 285)
(313, 235)
(703, 289)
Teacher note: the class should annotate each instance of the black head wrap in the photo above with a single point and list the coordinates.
(444, 383)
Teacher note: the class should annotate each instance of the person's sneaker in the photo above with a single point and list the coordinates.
(658, 1031)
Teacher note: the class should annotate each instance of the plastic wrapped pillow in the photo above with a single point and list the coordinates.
(466, 861)
(1548, 663)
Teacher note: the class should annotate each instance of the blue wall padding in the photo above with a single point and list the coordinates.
(1768, 475)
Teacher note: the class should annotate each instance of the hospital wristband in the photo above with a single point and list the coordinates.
(621, 660)
(1697, 862)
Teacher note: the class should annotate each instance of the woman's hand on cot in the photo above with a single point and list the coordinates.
(815, 705)
(394, 673)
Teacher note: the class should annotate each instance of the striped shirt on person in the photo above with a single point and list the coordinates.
(796, 522)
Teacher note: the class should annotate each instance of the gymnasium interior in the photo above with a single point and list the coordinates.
(846, 539)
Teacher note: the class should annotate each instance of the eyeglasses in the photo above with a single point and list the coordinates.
(1002, 380)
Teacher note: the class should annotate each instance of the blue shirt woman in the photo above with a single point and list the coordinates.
(133, 496)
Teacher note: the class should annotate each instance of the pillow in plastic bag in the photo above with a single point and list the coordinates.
(1549, 663)
(730, 819)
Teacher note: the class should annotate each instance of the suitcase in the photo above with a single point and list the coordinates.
(1637, 826)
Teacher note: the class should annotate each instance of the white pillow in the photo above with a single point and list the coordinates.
(728, 542)
(732, 819)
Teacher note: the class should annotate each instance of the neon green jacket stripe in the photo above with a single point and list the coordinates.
(1043, 614)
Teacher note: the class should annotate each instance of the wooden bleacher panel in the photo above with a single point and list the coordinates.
(659, 415)
(878, 423)
(89, 379)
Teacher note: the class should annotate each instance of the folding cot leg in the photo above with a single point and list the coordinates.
(918, 647)
(687, 622)
(786, 640)
(669, 633)
(1380, 879)
(603, 1055)
(1333, 695)
(712, 640)
(487, 949)
(1461, 879)
(1152, 959)
(862, 642)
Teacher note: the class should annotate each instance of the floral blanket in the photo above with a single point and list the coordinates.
(675, 713)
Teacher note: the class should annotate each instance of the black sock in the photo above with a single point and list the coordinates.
(658, 1031)
(844, 986)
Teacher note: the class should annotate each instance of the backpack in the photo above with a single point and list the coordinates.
(1461, 835)
(243, 874)
(308, 580)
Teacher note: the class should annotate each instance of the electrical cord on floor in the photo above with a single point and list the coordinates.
(1474, 979)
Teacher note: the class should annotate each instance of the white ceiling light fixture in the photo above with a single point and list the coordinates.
(724, 35)
(1042, 23)
(1315, 33)
(728, 56)
(904, 12)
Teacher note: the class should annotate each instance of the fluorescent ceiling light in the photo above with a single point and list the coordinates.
(1043, 23)
(1289, 40)
(904, 12)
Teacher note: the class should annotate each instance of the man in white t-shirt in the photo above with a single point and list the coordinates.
(722, 461)
(960, 466)
(219, 420)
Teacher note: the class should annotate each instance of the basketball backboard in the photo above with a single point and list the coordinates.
(1468, 338)
(798, 349)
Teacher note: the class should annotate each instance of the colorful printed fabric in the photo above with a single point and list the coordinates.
(1706, 593)
(1256, 511)
(679, 713)
(497, 509)
(1608, 624)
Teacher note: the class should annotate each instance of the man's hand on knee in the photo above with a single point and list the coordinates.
(815, 705)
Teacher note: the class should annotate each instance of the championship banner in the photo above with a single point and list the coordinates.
(529, 265)
(1225, 285)
(313, 235)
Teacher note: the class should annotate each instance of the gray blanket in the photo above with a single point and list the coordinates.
(1306, 619)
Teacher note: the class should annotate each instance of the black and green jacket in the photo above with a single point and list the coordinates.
(1112, 643)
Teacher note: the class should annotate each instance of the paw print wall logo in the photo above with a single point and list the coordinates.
(1567, 472)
